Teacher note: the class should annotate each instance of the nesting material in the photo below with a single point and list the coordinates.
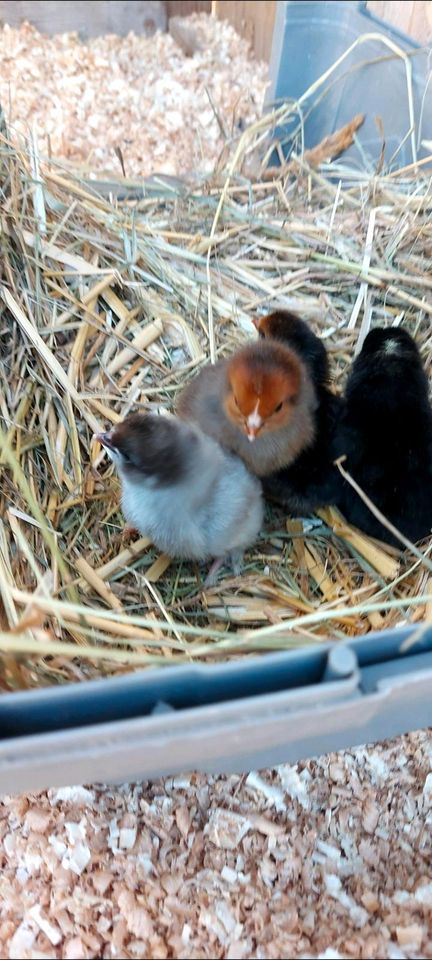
(326, 859)
(168, 102)
(108, 306)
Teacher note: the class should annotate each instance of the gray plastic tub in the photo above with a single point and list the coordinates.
(238, 716)
(309, 38)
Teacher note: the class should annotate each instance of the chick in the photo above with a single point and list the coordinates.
(312, 480)
(260, 403)
(194, 500)
(386, 436)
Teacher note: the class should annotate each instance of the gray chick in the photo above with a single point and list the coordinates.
(193, 499)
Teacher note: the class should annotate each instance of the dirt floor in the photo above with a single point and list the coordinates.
(331, 858)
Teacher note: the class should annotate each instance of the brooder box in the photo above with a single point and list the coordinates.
(238, 716)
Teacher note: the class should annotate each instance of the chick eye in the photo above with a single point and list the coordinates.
(279, 407)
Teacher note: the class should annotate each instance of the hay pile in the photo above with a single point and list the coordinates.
(109, 305)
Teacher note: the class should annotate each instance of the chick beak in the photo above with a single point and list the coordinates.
(253, 423)
(105, 440)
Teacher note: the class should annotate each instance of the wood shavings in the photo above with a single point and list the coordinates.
(410, 937)
(78, 795)
(74, 949)
(185, 35)
(423, 895)
(330, 954)
(127, 832)
(136, 916)
(273, 794)
(267, 827)
(371, 814)
(77, 855)
(230, 876)
(334, 889)
(226, 829)
(146, 96)
(52, 932)
(37, 820)
(427, 790)
(294, 785)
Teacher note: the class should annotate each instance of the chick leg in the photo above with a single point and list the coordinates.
(211, 577)
(235, 558)
(236, 561)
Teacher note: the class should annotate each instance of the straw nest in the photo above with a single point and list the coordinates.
(111, 297)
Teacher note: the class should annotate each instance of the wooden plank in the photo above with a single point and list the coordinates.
(253, 21)
(90, 18)
(413, 17)
(182, 8)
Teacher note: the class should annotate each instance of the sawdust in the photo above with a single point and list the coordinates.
(330, 858)
(165, 111)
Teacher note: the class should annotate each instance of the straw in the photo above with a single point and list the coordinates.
(107, 307)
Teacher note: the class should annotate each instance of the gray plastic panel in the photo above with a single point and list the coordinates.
(309, 37)
(237, 716)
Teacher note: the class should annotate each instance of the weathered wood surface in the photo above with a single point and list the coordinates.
(182, 8)
(413, 17)
(254, 21)
(90, 18)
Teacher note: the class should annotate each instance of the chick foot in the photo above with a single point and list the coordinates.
(212, 575)
(235, 559)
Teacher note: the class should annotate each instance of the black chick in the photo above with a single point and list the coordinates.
(312, 481)
(386, 435)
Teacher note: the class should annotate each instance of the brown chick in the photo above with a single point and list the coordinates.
(259, 403)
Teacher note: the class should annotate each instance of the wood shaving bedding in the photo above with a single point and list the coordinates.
(165, 111)
(330, 858)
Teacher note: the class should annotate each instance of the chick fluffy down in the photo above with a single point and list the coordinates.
(216, 507)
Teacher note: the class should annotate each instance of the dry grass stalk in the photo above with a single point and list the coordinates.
(109, 307)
